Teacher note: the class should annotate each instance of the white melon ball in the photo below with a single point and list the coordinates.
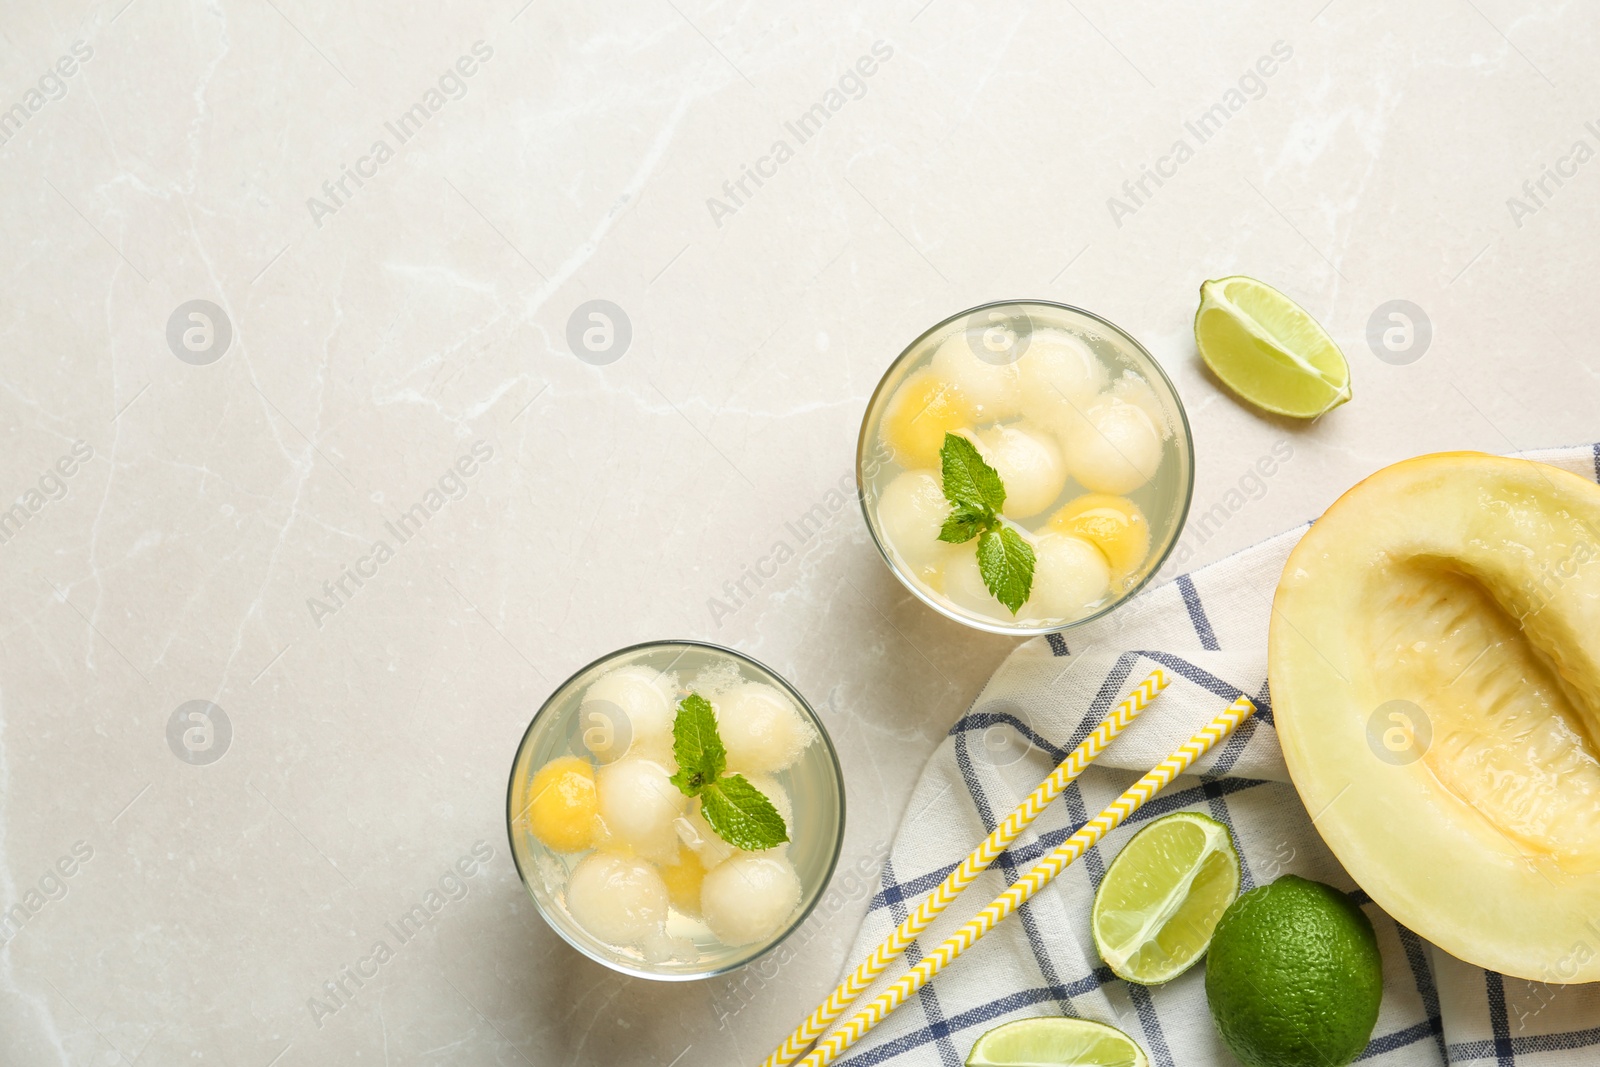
(993, 388)
(963, 583)
(698, 837)
(628, 710)
(637, 804)
(761, 728)
(1116, 450)
(1132, 389)
(660, 947)
(1029, 464)
(911, 510)
(1069, 575)
(715, 679)
(931, 573)
(749, 897)
(1061, 378)
(618, 899)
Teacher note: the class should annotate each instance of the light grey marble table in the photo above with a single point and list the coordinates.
(391, 219)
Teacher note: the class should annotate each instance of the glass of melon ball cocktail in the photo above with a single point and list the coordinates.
(675, 810)
(1072, 467)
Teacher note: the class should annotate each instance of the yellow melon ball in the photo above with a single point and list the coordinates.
(562, 809)
(1113, 524)
(683, 882)
(921, 412)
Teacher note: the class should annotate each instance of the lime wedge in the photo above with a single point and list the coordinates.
(1056, 1042)
(1161, 898)
(1268, 349)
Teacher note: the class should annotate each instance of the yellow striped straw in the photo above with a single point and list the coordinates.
(975, 864)
(1030, 883)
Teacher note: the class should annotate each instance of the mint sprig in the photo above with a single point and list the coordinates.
(964, 524)
(1006, 562)
(968, 480)
(737, 811)
(976, 495)
(696, 745)
(742, 815)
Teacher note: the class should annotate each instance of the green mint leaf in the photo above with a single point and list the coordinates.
(1006, 563)
(967, 478)
(696, 745)
(742, 815)
(965, 523)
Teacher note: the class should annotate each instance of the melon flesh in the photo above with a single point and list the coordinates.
(1469, 586)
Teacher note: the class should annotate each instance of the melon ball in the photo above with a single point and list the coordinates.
(1116, 450)
(659, 947)
(931, 573)
(1132, 389)
(994, 390)
(628, 710)
(1061, 378)
(638, 804)
(699, 838)
(922, 410)
(1029, 464)
(911, 510)
(716, 678)
(1113, 524)
(963, 583)
(562, 804)
(683, 880)
(749, 897)
(618, 899)
(761, 728)
(1069, 575)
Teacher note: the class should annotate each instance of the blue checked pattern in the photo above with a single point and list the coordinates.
(1208, 629)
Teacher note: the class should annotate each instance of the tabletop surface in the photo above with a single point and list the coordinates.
(278, 272)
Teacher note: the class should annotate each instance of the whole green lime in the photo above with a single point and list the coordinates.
(1294, 977)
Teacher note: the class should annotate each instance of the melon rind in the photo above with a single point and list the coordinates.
(1508, 877)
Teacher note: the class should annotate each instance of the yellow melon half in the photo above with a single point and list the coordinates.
(1434, 658)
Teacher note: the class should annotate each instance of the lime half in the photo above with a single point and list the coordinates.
(1161, 898)
(1056, 1042)
(1269, 349)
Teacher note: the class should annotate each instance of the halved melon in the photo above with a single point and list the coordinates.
(1434, 658)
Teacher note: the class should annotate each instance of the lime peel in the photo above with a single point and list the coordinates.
(1295, 976)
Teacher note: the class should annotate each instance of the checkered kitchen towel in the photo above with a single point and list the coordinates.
(1209, 630)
